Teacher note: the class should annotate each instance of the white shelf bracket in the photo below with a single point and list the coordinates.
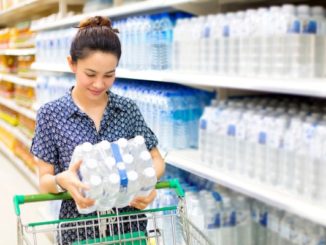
(62, 8)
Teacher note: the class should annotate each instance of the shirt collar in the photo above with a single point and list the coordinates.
(71, 108)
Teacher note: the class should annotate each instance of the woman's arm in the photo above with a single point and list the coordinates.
(67, 179)
(158, 162)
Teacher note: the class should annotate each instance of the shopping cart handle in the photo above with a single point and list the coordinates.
(172, 184)
(21, 199)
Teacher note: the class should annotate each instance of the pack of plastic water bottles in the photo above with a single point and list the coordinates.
(115, 172)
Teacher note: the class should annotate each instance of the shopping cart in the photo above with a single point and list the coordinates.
(166, 225)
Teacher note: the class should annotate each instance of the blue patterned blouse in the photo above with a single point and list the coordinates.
(61, 126)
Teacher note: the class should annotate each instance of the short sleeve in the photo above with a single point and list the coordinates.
(43, 144)
(140, 128)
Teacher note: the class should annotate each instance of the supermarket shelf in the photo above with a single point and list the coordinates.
(189, 160)
(17, 80)
(298, 86)
(17, 52)
(124, 10)
(30, 9)
(19, 164)
(50, 67)
(17, 133)
(12, 105)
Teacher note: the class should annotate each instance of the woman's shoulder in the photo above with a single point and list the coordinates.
(122, 102)
(53, 108)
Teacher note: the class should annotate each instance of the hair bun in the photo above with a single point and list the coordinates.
(97, 21)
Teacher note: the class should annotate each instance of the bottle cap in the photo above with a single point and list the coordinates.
(132, 176)
(109, 162)
(114, 179)
(105, 145)
(128, 158)
(87, 147)
(139, 140)
(149, 172)
(122, 142)
(95, 180)
(145, 155)
(91, 164)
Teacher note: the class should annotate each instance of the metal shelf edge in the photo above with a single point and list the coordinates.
(267, 194)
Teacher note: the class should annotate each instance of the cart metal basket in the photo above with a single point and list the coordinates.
(165, 226)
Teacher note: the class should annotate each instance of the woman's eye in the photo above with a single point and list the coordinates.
(90, 75)
(108, 76)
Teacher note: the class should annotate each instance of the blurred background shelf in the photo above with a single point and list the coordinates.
(12, 105)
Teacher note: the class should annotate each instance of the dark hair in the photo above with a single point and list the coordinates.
(95, 34)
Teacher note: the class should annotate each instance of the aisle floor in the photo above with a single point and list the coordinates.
(13, 182)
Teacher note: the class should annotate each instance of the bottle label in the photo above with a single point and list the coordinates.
(295, 27)
(118, 158)
(203, 124)
(231, 130)
(262, 138)
(216, 222)
(309, 27)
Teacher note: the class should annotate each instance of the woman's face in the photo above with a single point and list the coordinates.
(95, 74)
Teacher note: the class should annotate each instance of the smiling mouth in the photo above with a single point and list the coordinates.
(95, 92)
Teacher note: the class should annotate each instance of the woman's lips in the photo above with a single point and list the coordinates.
(95, 92)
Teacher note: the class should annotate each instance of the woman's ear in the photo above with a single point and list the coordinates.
(72, 64)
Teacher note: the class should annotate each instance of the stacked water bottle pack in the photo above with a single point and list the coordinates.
(278, 41)
(115, 172)
(229, 218)
(171, 111)
(278, 141)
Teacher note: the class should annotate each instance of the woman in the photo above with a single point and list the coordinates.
(88, 113)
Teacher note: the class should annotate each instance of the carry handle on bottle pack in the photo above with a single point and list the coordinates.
(22, 199)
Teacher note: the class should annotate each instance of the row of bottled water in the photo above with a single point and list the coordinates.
(115, 172)
(277, 141)
(229, 218)
(51, 86)
(277, 41)
(171, 111)
(53, 47)
(146, 42)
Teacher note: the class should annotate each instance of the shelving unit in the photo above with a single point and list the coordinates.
(17, 52)
(17, 133)
(12, 105)
(17, 80)
(30, 9)
(31, 177)
(300, 86)
(143, 7)
(189, 160)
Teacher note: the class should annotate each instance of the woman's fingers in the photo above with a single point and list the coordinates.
(75, 166)
(81, 201)
(81, 185)
(141, 202)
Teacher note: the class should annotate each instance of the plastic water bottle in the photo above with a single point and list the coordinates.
(111, 186)
(318, 14)
(243, 221)
(228, 222)
(148, 181)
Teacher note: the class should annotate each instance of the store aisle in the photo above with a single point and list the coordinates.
(13, 182)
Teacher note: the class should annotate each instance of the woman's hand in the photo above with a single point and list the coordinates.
(69, 180)
(141, 202)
